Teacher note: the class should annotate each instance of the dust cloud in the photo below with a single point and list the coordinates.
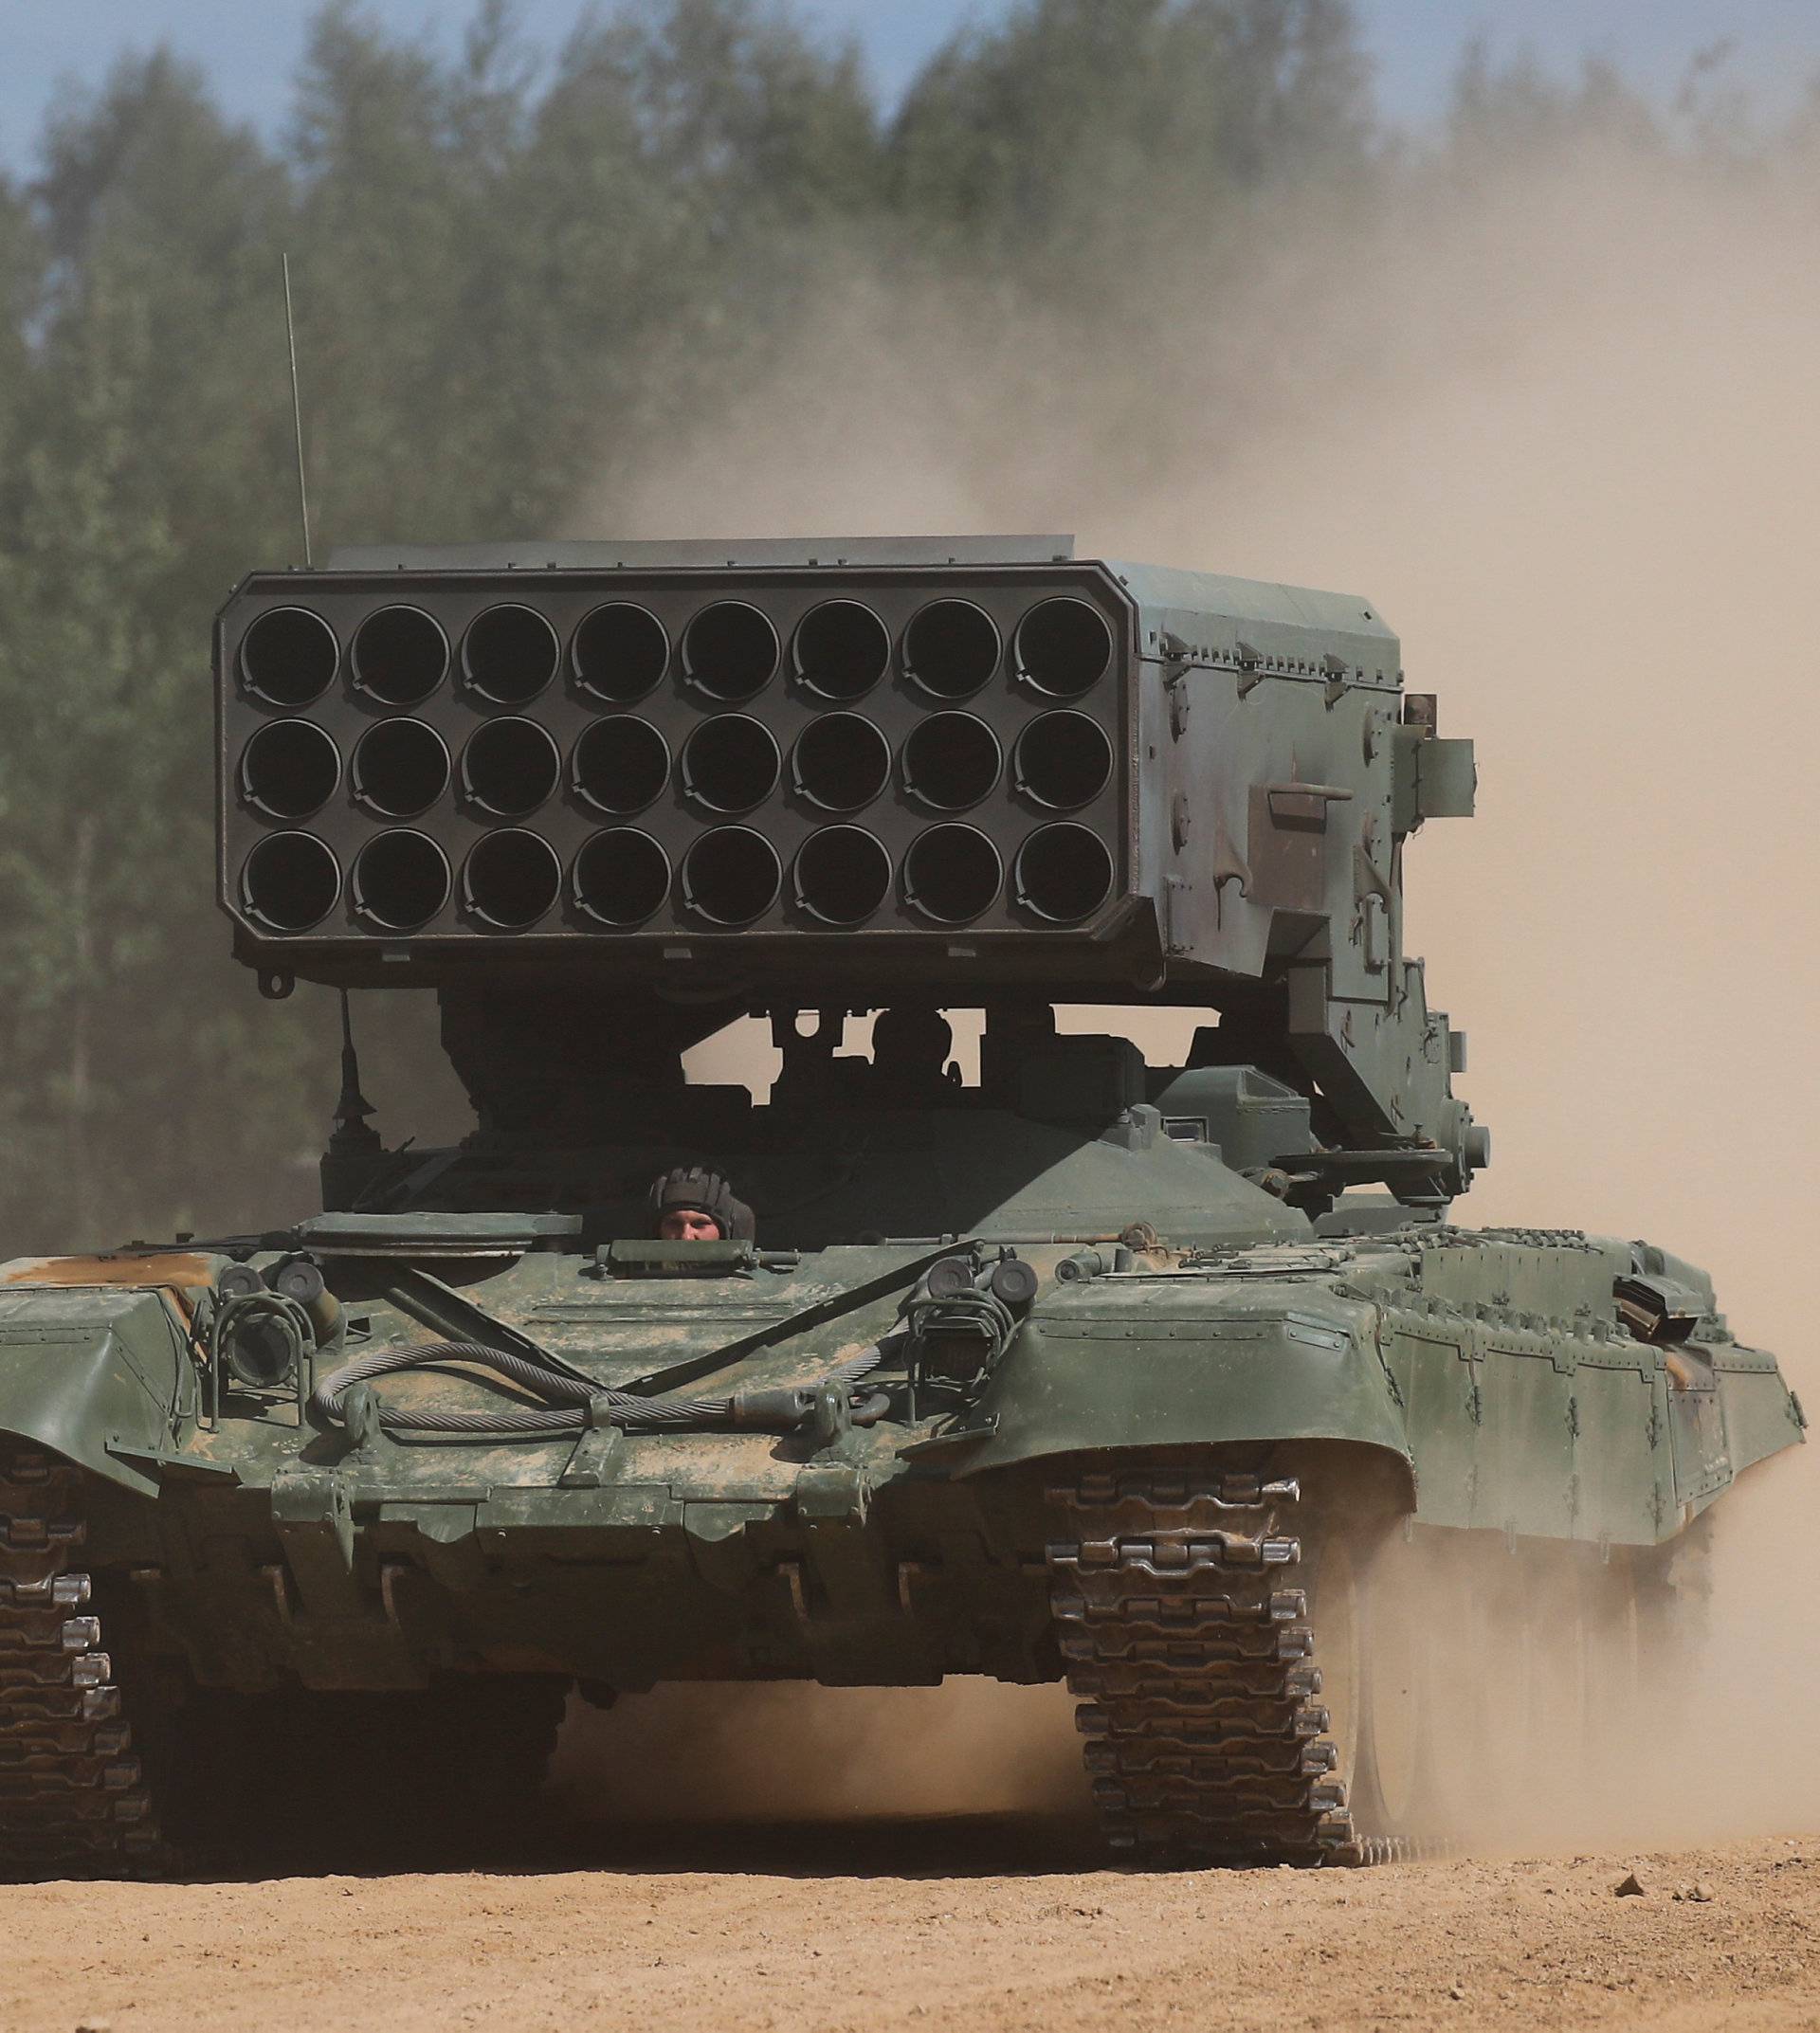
(785, 1750)
(1560, 419)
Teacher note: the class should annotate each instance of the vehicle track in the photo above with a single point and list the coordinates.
(1198, 1668)
(72, 1795)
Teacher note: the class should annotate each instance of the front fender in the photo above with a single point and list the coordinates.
(94, 1373)
(1070, 1386)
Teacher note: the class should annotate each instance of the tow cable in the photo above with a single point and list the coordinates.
(952, 1330)
(573, 1402)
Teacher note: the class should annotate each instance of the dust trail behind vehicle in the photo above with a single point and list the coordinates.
(1559, 417)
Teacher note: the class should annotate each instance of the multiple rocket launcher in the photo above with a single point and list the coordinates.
(838, 769)
(646, 758)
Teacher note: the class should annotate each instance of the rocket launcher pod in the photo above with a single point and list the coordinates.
(833, 770)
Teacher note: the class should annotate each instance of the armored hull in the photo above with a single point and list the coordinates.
(1175, 1481)
(1179, 1383)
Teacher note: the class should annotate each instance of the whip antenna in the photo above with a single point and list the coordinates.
(297, 415)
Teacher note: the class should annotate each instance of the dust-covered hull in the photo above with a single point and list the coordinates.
(924, 1534)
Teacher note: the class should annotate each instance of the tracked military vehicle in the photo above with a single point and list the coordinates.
(1176, 1381)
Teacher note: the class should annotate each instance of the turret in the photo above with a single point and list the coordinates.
(713, 776)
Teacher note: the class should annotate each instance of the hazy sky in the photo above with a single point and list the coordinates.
(251, 45)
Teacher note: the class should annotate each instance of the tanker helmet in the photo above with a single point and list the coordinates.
(704, 1191)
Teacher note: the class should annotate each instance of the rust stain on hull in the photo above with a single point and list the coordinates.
(178, 1272)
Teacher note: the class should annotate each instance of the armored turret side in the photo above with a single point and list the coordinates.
(1175, 1382)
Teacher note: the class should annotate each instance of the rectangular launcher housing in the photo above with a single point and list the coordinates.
(841, 763)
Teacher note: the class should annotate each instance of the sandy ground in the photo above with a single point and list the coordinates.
(933, 1923)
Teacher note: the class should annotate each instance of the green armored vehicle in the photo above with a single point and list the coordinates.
(1173, 1380)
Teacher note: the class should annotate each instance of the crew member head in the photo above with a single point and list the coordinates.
(691, 1203)
(910, 1047)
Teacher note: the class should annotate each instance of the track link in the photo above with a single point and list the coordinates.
(72, 1795)
(1194, 1657)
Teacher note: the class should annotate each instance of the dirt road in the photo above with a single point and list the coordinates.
(997, 1924)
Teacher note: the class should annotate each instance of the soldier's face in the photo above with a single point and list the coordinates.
(688, 1225)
